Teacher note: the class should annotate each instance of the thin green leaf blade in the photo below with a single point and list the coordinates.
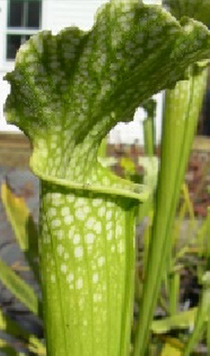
(19, 288)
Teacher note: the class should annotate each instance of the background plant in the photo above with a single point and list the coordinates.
(26, 235)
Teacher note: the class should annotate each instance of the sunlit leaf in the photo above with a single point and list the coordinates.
(170, 350)
(128, 165)
(23, 225)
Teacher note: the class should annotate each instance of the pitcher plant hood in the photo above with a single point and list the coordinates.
(197, 9)
(68, 90)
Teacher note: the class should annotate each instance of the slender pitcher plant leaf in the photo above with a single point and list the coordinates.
(148, 136)
(67, 92)
(174, 280)
(147, 236)
(189, 204)
(149, 127)
(23, 225)
(208, 268)
(208, 238)
(182, 107)
(208, 338)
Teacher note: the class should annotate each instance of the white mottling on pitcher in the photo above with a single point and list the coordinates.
(60, 250)
(65, 211)
(95, 278)
(79, 283)
(53, 278)
(89, 238)
(78, 252)
(63, 268)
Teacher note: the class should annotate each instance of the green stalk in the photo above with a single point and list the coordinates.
(148, 137)
(202, 316)
(203, 248)
(208, 238)
(182, 106)
(208, 338)
(189, 204)
(202, 313)
(208, 320)
(174, 292)
(149, 128)
(149, 162)
(88, 268)
(67, 92)
(146, 238)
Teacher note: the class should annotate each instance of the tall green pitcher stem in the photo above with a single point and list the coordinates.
(182, 106)
(87, 262)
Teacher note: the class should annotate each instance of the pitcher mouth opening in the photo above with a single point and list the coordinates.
(138, 192)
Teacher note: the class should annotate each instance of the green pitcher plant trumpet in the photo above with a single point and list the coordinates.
(67, 92)
(181, 111)
(182, 107)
